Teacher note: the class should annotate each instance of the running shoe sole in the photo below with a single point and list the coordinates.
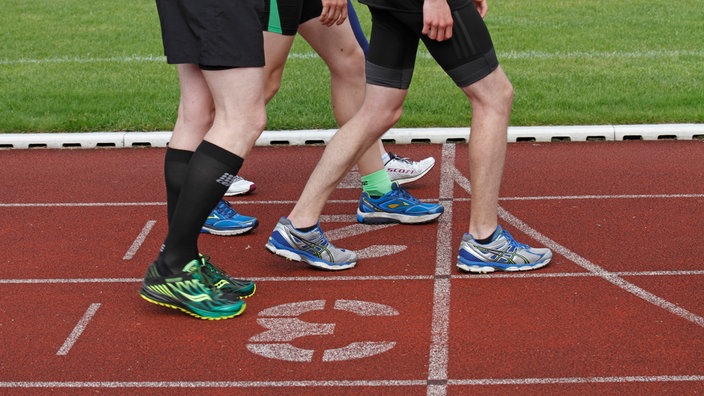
(155, 299)
(414, 178)
(289, 254)
(387, 218)
(485, 268)
(206, 229)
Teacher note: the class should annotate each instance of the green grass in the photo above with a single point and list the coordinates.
(70, 65)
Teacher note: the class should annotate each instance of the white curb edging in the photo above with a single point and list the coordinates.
(396, 135)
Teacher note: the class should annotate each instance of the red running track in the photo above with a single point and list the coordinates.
(619, 310)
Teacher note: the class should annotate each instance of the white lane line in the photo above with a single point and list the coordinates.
(440, 332)
(139, 240)
(576, 274)
(340, 218)
(214, 384)
(579, 380)
(78, 330)
(369, 278)
(632, 196)
(78, 204)
(344, 384)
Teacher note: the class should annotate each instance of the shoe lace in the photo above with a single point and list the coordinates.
(514, 242)
(393, 156)
(226, 210)
(401, 192)
(315, 240)
(210, 273)
(320, 239)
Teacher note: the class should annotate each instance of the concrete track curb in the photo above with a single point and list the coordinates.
(395, 135)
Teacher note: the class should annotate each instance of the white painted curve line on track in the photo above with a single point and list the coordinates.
(610, 277)
(78, 330)
(139, 240)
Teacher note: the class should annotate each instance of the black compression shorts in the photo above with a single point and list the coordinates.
(467, 57)
(284, 16)
(213, 33)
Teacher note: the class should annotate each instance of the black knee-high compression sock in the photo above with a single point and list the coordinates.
(210, 172)
(175, 171)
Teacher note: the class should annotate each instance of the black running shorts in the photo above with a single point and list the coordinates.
(467, 57)
(212, 33)
(284, 16)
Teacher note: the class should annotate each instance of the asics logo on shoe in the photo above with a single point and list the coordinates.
(312, 247)
(505, 255)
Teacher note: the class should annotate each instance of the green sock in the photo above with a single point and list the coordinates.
(376, 184)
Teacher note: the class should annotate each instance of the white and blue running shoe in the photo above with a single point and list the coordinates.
(310, 247)
(503, 253)
(225, 221)
(396, 206)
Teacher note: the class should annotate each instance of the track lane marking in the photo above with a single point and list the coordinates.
(139, 240)
(369, 278)
(78, 330)
(350, 383)
(439, 355)
(340, 218)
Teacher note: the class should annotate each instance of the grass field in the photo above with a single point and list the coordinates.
(70, 65)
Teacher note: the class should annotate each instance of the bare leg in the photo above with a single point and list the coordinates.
(239, 108)
(276, 49)
(339, 49)
(195, 109)
(380, 111)
(491, 99)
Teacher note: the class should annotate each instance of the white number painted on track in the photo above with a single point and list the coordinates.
(283, 326)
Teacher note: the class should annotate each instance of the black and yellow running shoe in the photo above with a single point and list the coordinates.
(190, 291)
(236, 288)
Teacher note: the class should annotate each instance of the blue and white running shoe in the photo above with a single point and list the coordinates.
(503, 253)
(225, 221)
(310, 247)
(396, 206)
